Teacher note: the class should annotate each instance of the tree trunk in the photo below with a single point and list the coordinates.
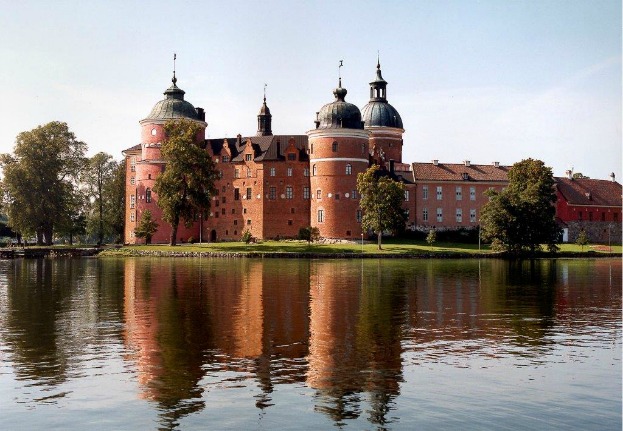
(173, 238)
(378, 239)
(40, 236)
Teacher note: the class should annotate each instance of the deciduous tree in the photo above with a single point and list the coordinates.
(39, 178)
(381, 202)
(521, 217)
(98, 173)
(146, 227)
(187, 183)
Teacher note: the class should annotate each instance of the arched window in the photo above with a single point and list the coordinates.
(349, 169)
(148, 195)
(314, 170)
(334, 147)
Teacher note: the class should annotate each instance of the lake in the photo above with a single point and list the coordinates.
(295, 344)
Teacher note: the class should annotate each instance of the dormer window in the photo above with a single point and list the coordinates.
(225, 159)
(291, 156)
(247, 157)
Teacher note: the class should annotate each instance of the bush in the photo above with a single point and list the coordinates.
(246, 236)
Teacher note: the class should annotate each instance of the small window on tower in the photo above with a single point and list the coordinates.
(334, 147)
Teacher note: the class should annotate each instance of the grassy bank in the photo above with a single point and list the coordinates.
(391, 248)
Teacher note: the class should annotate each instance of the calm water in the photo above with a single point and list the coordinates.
(144, 344)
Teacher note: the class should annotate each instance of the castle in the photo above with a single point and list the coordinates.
(273, 185)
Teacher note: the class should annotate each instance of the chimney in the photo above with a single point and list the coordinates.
(201, 115)
(612, 177)
(569, 173)
(435, 162)
(466, 162)
(496, 164)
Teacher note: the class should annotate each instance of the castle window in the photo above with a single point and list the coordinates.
(291, 156)
(318, 194)
(349, 169)
(337, 196)
(225, 159)
(459, 193)
(288, 192)
(603, 216)
(407, 195)
(235, 224)
(580, 215)
(358, 216)
(132, 181)
(472, 193)
(272, 193)
(353, 195)
(248, 172)
(439, 215)
(247, 157)
(248, 193)
(306, 172)
(305, 192)
(132, 216)
(148, 195)
(334, 147)
(459, 215)
(223, 199)
(425, 214)
(248, 222)
(291, 210)
(223, 211)
(472, 216)
(237, 173)
(132, 201)
(236, 194)
(314, 171)
(439, 193)
(133, 164)
(312, 149)
(363, 148)
(424, 192)
(272, 172)
(289, 222)
(149, 176)
(289, 172)
(320, 216)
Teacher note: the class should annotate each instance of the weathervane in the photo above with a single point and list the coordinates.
(265, 85)
(174, 58)
(339, 72)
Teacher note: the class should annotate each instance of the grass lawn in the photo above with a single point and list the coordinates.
(389, 247)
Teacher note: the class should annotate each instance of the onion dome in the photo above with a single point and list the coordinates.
(339, 114)
(377, 112)
(173, 106)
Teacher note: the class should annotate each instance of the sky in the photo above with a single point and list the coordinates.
(485, 81)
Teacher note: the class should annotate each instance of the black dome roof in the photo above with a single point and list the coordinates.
(381, 114)
(173, 106)
(378, 112)
(339, 114)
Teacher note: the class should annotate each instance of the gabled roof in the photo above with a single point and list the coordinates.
(587, 191)
(265, 148)
(457, 171)
(137, 147)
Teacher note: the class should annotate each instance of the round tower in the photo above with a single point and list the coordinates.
(383, 122)
(146, 164)
(338, 151)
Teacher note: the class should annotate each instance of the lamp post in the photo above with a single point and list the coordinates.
(362, 243)
(478, 235)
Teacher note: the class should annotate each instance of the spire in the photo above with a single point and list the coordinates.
(174, 92)
(339, 92)
(264, 119)
(378, 87)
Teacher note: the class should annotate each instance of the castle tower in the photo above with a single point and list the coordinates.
(383, 122)
(144, 162)
(264, 120)
(338, 151)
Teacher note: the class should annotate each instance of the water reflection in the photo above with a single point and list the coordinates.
(347, 331)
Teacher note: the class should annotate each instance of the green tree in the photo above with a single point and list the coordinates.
(521, 217)
(146, 227)
(39, 178)
(99, 172)
(381, 202)
(114, 204)
(187, 183)
(309, 234)
(431, 237)
(582, 239)
(75, 222)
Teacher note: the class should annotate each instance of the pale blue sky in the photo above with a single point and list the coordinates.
(486, 81)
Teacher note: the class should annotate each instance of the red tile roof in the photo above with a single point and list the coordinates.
(587, 191)
(456, 172)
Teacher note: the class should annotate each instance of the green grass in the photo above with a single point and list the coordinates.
(389, 247)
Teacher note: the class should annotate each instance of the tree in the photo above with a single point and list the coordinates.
(146, 227)
(187, 183)
(99, 172)
(582, 239)
(381, 202)
(521, 217)
(309, 234)
(39, 178)
(114, 204)
(431, 237)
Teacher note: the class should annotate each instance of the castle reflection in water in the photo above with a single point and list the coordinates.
(339, 327)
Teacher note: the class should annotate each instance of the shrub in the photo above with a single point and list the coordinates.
(246, 236)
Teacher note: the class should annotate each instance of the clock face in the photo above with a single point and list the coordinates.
(153, 132)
